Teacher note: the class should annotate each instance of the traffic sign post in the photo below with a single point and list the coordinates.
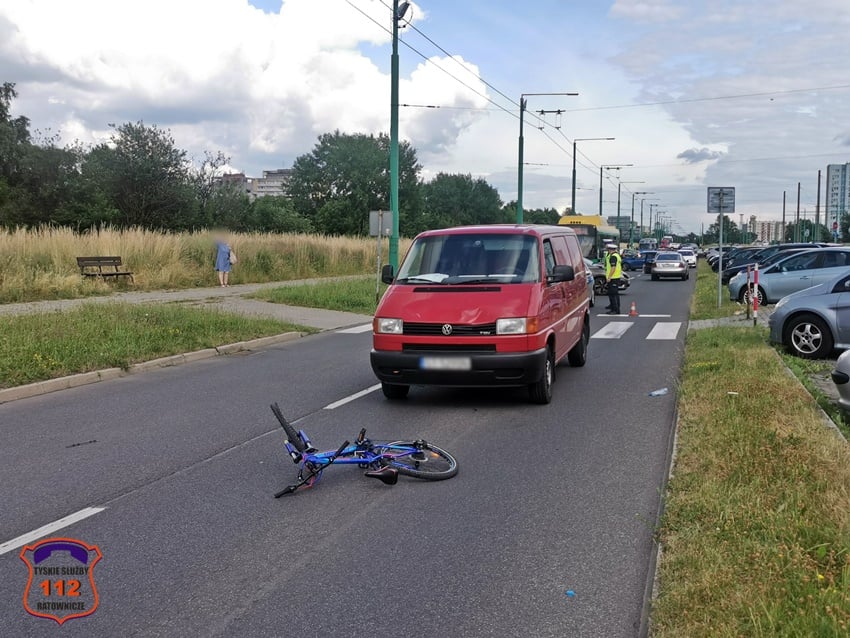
(380, 226)
(721, 200)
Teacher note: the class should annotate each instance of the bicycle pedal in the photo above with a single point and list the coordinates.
(387, 475)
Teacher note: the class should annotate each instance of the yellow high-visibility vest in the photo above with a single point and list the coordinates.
(617, 271)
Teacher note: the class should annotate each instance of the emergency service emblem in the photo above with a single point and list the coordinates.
(61, 579)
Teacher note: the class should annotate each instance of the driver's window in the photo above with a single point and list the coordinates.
(548, 258)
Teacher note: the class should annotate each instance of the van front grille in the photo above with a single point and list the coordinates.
(453, 330)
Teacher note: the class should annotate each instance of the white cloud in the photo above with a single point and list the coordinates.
(219, 73)
(646, 10)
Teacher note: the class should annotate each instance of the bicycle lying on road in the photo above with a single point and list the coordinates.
(381, 460)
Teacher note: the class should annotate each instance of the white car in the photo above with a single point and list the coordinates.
(690, 257)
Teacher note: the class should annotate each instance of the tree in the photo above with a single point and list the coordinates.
(14, 134)
(278, 215)
(460, 200)
(145, 177)
(731, 233)
(345, 176)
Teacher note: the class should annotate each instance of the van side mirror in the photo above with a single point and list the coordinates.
(562, 273)
(387, 274)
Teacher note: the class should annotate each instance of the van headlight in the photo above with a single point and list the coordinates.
(389, 326)
(515, 326)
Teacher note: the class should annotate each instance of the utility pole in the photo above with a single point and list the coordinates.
(398, 14)
(575, 151)
(519, 211)
(523, 104)
(784, 227)
(632, 223)
(817, 213)
(797, 223)
(608, 167)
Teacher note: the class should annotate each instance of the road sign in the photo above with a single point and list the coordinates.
(380, 223)
(721, 199)
(834, 226)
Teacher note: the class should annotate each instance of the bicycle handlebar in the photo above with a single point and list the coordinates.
(341, 448)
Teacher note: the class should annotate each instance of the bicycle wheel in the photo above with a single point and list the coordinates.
(419, 460)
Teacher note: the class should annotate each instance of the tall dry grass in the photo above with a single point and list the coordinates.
(41, 263)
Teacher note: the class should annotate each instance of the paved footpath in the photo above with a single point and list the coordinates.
(229, 299)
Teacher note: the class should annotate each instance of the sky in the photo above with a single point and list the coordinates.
(727, 93)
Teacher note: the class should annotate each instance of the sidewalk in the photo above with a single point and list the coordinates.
(228, 299)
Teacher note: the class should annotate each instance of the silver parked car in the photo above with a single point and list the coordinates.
(669, 264)
(841, 379)
(792, 274)
(815, 321)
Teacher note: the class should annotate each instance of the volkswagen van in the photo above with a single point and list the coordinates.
(481, 306)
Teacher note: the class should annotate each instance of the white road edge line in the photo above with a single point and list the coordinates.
(664, 330)
(366, 327)
(35, 534)
(353, 397)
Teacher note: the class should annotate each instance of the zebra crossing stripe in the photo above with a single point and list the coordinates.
(613, 330)
(664, 331)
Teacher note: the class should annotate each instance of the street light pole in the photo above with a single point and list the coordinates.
(398, 13)
(609, 167)
(575, 151)
(631, 226)
(523, 104)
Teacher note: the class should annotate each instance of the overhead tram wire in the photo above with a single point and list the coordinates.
(498, 106)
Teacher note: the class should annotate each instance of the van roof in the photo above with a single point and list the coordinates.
(538, 230)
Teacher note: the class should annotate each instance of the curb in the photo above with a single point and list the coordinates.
(76, 380)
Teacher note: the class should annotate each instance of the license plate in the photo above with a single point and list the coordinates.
(446, 363)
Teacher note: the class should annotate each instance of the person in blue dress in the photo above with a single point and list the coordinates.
(223, 262)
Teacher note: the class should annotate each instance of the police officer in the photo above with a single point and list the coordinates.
(613, 272)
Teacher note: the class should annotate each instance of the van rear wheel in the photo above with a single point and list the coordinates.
(392, 391)
(541, 392)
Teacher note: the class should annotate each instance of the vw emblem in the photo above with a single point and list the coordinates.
(447, 329)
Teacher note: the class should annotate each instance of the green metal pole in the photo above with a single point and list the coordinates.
(394, 141)
(573, 199)
(632, 223)
(519, 213)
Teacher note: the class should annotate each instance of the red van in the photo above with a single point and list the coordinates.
(483, 306)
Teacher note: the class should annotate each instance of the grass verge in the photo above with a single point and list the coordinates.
(805, 370)
(352, 295)
(705, 297)
(42, 346)
(756, 530)
(41, 263)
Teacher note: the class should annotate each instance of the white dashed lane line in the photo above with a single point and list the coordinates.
(35, 534)
(352, 397)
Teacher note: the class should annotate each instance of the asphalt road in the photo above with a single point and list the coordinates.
(185, 461)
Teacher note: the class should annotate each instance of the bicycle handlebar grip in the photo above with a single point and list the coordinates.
(341, 448)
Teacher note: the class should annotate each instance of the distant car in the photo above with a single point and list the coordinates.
(792, 274)
(813, 322)
(591, 280)
(841, 379)
(633, 261)
(670, 264)
(689, 256)
(648, 260)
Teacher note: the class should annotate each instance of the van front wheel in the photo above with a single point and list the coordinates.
(541, 392)
(392, 391)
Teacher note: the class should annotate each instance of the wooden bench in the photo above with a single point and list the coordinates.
(94, 267)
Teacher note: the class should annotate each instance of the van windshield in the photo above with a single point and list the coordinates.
(465, 259)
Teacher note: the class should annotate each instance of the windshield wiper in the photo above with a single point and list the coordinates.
(418, 280)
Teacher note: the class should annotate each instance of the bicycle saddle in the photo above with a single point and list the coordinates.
(387, 475)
